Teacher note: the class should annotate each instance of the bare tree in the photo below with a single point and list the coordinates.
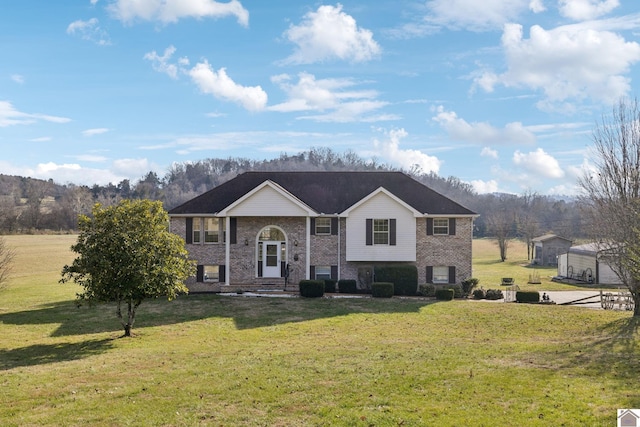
(6, 260)
(612, 192)
(500, 224)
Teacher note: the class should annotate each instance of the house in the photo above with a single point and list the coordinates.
(587, 263)
(273, 229)
(628, 418)
(548, 247)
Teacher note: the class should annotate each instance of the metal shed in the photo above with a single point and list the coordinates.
(584, 263)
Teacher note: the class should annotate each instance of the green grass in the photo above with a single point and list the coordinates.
(229, 361)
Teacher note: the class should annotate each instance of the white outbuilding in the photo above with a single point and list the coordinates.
(586, 263)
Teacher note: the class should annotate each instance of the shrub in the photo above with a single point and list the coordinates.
(404, 278)
(427, 290)
(311, 288)
(382, 289)
(530, 296)
(493, 294)
(478, 294)
(329, 285)
(347, 286)
(444, 294)
(468, 285)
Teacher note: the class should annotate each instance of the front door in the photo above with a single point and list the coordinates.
(271, 259)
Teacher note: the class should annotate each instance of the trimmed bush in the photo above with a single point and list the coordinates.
(427, 290)
(311, 288)
(382, 289)
(329, 285)
(493, 294)
(347, 286)
(478, 294)
(468, 285)
(444, 294)
(404, 278)
(530, 296)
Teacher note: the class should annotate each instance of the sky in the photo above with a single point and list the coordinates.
(502, 94)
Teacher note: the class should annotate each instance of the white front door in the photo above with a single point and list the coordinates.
(271, 259)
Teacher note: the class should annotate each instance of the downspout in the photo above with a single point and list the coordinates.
(227, 249)
(307, 256)
(339, 246)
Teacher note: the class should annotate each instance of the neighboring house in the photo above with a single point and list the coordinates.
(272, 228)
(548, 247)
(586, 263)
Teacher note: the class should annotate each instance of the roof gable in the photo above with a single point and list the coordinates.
(268, 199)
(325, 192)
(380, 190)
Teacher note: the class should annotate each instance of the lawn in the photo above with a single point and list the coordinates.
(229, 361)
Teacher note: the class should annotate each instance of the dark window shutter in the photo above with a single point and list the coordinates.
(392, 232)
(233, 229)
(452, 274)
(429, 226)
(312, 272)
(429, 274)
(189, 234)
(334, 272)
(313, 226)
(200, 273)
(222, 273)
(369, 232)
(452, 226)
(334, 226)
(283, 268)
(259, 268)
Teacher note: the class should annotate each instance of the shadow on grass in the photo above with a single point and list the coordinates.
(40, 354)
(246, 312)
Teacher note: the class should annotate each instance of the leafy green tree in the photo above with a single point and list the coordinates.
(126, 255)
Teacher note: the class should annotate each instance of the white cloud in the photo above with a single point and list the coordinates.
(17, 78)
(390, 151)
(336, 100)
(567, 63)
(91, 158)
(538, 163)
(537, 6)
(169, 11)
(488, 152)
(89, 30)
(484, 187)
(482, 132)
(41, 139)
(96, 131)
(329, 34)
(9, 116)
(586, 9)
(220, 85)
(474, 15)
(161, 63)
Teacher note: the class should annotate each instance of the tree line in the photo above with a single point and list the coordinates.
(31, 205)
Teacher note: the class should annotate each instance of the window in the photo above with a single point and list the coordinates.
(323, 272)
(197, 224)
(211, 273)
(441, 226)
(380, 231)
(323, 225)
(211, 230)
(440, 274)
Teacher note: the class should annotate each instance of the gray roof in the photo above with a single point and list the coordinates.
(326, 192)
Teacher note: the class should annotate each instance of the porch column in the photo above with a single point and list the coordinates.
(307, 256)
(227, 249)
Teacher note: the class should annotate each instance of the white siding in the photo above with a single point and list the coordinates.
(606, 275)
(581, 262)
(381, 206)
(267, 202)
(562, 265)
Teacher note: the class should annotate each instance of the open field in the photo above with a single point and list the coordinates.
(229, 361)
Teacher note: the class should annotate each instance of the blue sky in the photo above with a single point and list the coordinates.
(502, 94)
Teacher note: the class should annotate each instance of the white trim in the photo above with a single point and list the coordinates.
(307, 256)
(279, 189)
(227, 250)
(389, 194)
